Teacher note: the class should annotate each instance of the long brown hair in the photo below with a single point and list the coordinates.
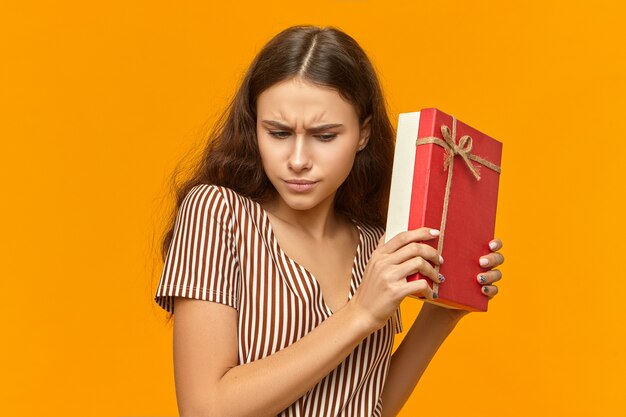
(326, 57)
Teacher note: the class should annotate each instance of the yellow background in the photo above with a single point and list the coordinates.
(99, 102)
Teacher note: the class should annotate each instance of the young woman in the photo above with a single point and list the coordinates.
(287, 298)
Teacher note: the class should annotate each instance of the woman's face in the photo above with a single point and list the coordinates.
(307, 133)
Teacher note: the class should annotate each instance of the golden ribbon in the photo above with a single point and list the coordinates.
(463, 148)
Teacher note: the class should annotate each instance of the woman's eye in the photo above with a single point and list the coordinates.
(328, 137)
(278, 134)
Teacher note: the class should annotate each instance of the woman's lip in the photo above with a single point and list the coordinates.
(300, 181)
(300, 187)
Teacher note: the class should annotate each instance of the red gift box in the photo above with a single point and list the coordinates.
(445, 176)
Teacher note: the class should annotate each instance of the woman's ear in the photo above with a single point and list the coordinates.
(365, 133)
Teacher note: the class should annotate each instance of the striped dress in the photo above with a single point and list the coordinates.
(224, 250)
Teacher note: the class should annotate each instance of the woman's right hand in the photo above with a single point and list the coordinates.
(384, 283)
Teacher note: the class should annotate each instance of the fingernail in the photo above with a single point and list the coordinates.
(484, 261)
(441, 278)
(434, 295)
(492, 245)
(485, 290)
(482, 279)
(440, 259)
(434, 232)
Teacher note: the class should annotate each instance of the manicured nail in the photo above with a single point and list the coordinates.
(434, 232)
(440, 259)
(492, 245)
(484, 261)
(485, 289)
(482, 279)
(441, 278)
(434, 295)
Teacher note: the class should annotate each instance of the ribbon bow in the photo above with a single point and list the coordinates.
(463, 148)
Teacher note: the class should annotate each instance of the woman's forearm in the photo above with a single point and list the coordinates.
(269, 385)
(412, 357)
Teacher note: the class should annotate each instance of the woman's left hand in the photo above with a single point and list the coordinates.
(486, 279)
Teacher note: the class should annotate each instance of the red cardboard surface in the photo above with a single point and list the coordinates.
(470, 222)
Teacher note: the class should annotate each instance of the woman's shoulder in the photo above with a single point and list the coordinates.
(201, 194)
(219, 192)
(225, 203)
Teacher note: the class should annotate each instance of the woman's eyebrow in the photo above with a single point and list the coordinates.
(318, 128)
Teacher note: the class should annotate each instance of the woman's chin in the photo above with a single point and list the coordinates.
(301, 201)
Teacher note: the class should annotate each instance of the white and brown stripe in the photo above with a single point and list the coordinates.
(224, 250)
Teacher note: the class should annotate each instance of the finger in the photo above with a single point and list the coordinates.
(491, 260)
(406, 237)
(489, 290)
(495, 244)
(413, 250)
(419, 288)
(489, 277)
(421, 265)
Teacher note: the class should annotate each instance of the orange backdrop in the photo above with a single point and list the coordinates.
(101, 101)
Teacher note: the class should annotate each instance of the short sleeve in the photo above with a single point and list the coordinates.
(201, 262)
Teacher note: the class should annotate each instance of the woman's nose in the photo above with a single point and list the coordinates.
(299, 157)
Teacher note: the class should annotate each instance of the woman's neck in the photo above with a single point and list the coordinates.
(318, 223)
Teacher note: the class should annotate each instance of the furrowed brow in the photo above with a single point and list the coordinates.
(313, 129)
